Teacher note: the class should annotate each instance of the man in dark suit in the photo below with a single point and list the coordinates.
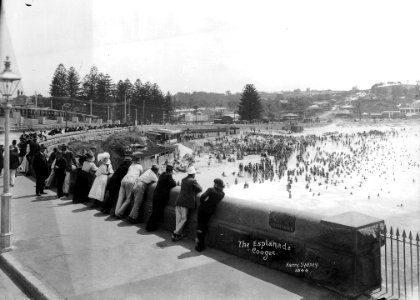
(40, 166)
(14, 164)
(60, 172)
(160, 198)
(34, 148)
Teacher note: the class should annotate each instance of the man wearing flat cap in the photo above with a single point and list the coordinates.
(208, 204)
(160, 198)
(40, 166)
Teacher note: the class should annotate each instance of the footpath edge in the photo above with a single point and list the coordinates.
(25, 280)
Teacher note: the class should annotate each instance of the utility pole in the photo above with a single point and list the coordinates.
(142, 118)
(125, 108)
(91, 113)
(129, 109)
(196, 111)
(136, 116)
(108, 115)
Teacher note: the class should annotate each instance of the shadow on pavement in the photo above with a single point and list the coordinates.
(65, 204)
(24, 197)
(44, 198)
(80, 209)
(189, 254)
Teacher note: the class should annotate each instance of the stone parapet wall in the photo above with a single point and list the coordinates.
(87, 135)
(341, 252)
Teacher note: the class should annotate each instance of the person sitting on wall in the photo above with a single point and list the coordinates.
(160, 198)
(140, 186)
(186, 201)
(208, 204)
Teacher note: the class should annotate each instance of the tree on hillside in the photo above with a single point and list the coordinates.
(250, 107)
(59, 82)
(73, 83)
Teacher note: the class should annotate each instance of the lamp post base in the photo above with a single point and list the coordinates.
(5, 230)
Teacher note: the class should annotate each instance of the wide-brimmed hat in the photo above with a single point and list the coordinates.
(103, 156)
(43, 147)
(219, 182)
(137, 156)
(191, 170)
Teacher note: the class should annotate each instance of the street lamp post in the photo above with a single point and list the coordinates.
(8, 84)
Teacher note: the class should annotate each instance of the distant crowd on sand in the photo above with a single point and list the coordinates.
(122, 192)
(316, 166)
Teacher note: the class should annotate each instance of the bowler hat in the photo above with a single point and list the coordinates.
(219, 182)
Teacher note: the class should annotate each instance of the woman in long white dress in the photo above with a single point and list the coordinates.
(97, 192)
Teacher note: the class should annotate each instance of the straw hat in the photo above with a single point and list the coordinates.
(103, 156)
(191, 170)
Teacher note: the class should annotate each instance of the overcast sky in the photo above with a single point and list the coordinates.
(216, 45)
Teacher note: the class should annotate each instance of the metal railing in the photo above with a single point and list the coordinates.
(399, 265)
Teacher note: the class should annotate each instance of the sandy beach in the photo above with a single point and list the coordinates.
(385, 184)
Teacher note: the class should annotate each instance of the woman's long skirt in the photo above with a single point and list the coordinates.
(82, 187)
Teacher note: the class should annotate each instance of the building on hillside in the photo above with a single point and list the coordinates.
(392, 114)
(412, 111)
(343, 113)
(289, 116)
(312, 110)
(224, 120)
(322, 104)
(164, 136)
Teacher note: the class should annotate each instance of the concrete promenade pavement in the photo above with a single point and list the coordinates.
(72, 252)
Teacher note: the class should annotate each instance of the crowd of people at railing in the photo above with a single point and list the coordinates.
(122, 191)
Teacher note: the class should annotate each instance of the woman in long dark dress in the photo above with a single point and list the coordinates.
(113, 187)
(84, 180)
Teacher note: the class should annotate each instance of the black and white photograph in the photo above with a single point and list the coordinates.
(209, 149)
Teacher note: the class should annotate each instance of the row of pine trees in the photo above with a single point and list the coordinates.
(147, 98)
